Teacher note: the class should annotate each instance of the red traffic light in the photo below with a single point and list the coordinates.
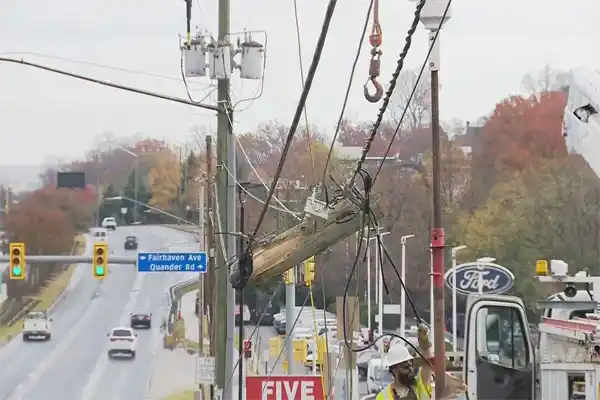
(99, 251)
(16, 252)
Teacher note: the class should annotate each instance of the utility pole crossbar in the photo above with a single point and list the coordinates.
(73, 259)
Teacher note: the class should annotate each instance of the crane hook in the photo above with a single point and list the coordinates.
(375, 97)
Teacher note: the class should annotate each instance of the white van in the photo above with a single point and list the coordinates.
(99, 234)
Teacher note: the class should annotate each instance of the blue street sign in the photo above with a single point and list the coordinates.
(172, 262)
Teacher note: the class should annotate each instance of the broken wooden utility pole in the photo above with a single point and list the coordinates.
(311, 236)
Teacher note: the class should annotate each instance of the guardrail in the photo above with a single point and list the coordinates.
(174, 303)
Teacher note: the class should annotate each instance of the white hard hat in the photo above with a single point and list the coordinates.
(397, 354)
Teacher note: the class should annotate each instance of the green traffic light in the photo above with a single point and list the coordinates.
(99, 270)
(17, 271)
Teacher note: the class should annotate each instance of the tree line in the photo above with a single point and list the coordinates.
(510, 189)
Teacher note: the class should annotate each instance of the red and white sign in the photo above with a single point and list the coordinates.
(284, 387)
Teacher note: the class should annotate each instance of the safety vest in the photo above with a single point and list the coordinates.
(422, 391)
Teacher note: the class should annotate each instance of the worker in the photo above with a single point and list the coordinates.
(409, 381)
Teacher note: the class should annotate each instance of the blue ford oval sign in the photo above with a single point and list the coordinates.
(496, 279)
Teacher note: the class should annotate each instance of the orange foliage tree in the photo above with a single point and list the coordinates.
(522, 132)
(46, 220)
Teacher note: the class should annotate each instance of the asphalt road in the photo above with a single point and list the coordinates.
(74, 364)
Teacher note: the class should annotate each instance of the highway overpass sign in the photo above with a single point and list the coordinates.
(172, 262)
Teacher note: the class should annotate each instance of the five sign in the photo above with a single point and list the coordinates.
(284, 387)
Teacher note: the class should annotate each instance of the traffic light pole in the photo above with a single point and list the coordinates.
(32, 260)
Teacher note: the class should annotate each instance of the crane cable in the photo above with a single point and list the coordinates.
(389, 92)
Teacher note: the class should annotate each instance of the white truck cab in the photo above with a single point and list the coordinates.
(37, 325)
(501, 360)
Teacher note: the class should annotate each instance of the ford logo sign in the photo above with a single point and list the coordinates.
(496, 278)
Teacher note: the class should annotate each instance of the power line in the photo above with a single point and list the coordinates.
(112, 85)
(308, 135)
(294, 125)
(390, 91)
(346, 96)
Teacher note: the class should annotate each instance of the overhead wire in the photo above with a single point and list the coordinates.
(414, 89)
(99, 65)
(245, 154)
(389, 91)
(308, 134)
(297, 115)
(101, 82)
(284, 210)
(346, 97)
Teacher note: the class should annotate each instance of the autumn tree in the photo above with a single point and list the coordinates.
(164, 181)
(521, 133)
(47, 221)
(549, 213)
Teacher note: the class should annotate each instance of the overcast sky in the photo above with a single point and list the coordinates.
(487, 47)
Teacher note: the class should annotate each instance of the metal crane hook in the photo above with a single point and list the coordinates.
(375, 97)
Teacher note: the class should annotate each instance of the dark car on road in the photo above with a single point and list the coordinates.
(141, 320)
(131, 243)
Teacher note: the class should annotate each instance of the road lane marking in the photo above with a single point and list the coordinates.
(102, 363)
(34, 377)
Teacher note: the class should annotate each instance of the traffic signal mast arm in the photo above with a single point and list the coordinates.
(309, 237)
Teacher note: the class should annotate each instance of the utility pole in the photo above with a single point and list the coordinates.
(226, 188)
(209, 281)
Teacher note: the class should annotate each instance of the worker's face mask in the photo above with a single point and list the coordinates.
(403, 374)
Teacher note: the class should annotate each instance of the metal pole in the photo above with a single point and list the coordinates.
(431, 297)
(454, 324)
(402, 291)
(379, 278)
(437, 231)
(201, 283)
(98, 203)
(290, 317)
(210, 246)
(369, 285)
(136, 177)
(241, 309)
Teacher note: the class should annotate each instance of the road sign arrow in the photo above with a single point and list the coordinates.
(142, 257)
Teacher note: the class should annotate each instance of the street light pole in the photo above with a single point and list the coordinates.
(455, 250)
(135, 181)
(403, 240)
(480, 262)
(241, 295)
(434, 14)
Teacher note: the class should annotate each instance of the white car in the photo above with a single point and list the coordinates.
(37, 325)
(122, 340)
(109, 223)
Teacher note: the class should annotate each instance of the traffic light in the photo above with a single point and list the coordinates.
(99, 262)
(247, 348)
(309, 271)
(17, 261)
